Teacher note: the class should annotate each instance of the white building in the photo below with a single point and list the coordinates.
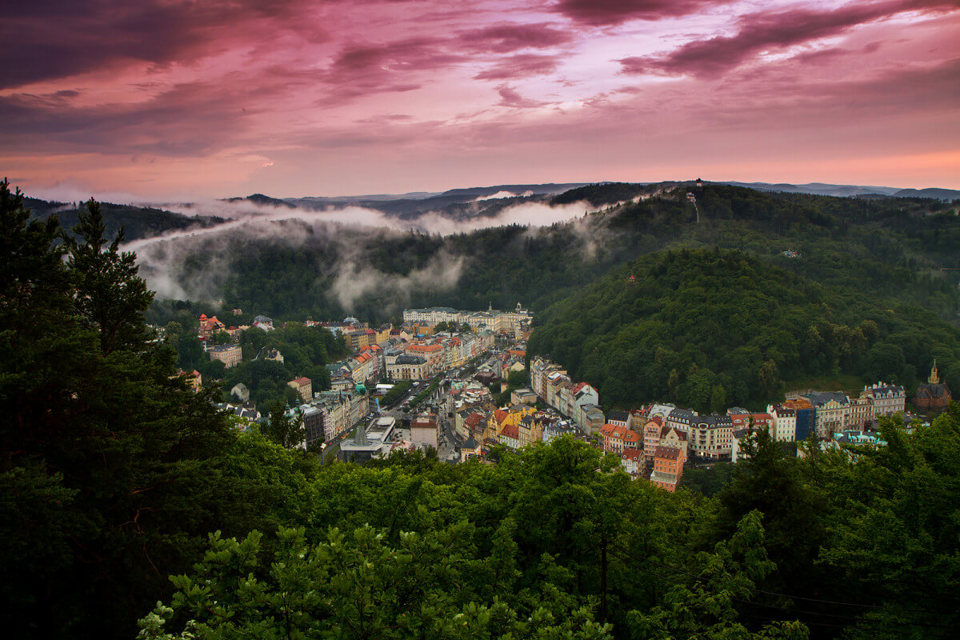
(784, 422)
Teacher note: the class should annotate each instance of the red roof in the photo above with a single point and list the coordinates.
(657, 419)
(631, 453)
(510, 431)
(302, 380)
(474, 419)
(667, 453)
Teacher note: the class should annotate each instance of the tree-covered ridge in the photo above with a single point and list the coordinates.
(137, 222)
(554, 542)
(710, 329)
(888, 246)
(106, 459)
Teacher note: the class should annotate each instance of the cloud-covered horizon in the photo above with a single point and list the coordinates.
(170, 98)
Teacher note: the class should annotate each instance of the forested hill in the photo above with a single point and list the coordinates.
(137, 222)
(709, 329)
(890, 247)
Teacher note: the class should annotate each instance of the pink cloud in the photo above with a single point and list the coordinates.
(758, 32)
(609, 12)
(506, 38)
(519, 66)
(510, 97)
(301, 98)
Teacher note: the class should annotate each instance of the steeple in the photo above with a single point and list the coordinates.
(934, 377)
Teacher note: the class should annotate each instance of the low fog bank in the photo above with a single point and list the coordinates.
(196, 264)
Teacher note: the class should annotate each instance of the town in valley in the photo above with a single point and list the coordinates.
(460, 384)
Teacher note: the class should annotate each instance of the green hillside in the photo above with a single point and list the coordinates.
(137, 222)
(887, 246)
(711, 328)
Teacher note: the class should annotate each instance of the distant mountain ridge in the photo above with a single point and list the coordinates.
(849, 190)
(457, 204)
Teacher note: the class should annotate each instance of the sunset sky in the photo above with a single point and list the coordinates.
(159, 99)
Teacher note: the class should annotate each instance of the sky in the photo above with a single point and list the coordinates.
(177, 99)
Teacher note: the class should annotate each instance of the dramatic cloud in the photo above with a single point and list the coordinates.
(506, 38)
(175, 98)
(607, 12)
(60, 38)
(760, 32)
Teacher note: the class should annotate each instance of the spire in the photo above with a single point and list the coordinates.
(934, 377)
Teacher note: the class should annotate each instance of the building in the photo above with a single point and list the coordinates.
(632, 461)
(406, 367)
(681, 419)
(342, 409)
(675, 439)
(616, 438)
(709, 437)
(312, 424)
(832, 412)
(531, 429)
(229, 354)
(372, 441)
(784, 422)
(360, 338)
(593, 419)
(651, 436)
(510, 436)
(617, 417)
(263, 322)
(469, 449)
(195, 381)
(424, 431)
(667, 468)
(933, 396)
(304, 388)
(523, 396)
(209, 327)
(887, 399)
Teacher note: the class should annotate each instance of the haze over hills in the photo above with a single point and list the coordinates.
(148, 219)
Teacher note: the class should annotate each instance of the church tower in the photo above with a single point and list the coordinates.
(934, 377)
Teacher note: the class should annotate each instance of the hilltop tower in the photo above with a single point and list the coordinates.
(934, 376)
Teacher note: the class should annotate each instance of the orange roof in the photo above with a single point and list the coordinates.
(510, 431)
(500, 415)
(424, 347)
(630, 436)
(631, 453)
